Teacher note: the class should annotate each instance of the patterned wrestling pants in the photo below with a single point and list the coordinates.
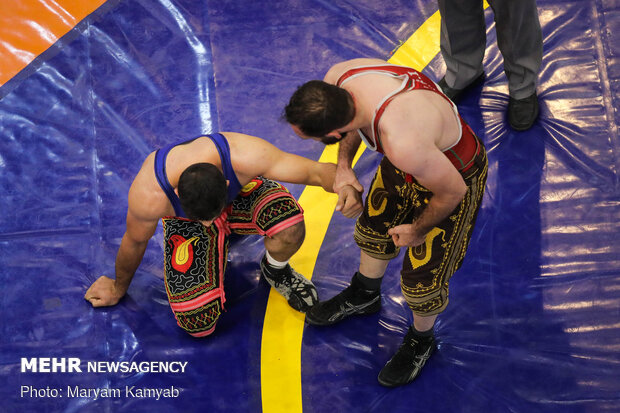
(195, 255)
(396, 198)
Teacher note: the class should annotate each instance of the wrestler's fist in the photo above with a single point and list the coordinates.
(349, 202)
(406, 235)
(103, 293)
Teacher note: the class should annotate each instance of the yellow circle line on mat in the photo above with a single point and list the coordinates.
(283, 326)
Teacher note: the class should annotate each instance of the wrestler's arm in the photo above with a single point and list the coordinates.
(346, 152)
(276, 164)
(434, 171)
(140, 228)
(350, 143)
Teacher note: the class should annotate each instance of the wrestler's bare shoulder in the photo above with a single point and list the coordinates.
(242, 139)
(146, 199)
(244, 147)
(249, 154)
(423, 116)
(339, 68)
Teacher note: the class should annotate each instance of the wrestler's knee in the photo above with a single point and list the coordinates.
(292, 236)
(200, 322)
(376, 246)
(424, 299)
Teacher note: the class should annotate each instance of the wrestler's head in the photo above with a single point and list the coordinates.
(202, 191)
(318, 110)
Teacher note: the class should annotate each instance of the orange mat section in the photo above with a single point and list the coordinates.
(30, 27)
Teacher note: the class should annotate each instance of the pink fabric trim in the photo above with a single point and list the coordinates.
(221, 222)
(263, 202)
(249, 225)
(222, 225)
(277, 228)
(198, 301)
(284, 225)
(202, 333)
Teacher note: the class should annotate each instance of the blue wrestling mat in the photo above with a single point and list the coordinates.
(533, 323)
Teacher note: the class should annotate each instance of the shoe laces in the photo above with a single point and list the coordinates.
(287, 277)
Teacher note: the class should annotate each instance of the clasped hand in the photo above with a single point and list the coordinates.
(349, 202)
(349, 192)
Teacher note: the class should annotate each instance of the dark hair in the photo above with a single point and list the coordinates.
(317, 108)
(202, 191)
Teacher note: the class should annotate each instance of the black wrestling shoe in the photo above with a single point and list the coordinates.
(522, 112)
(455, 94)
(299, 291)
(353, 300)
(408, 361)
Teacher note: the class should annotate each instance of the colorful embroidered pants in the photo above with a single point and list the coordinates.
(195, 255)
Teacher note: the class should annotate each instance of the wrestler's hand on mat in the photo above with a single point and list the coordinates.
(344, 177)
(103, 293)
(406, 235)
(349, 202)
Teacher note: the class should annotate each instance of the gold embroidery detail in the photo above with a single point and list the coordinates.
(182, 253)
(421, 254)
(378, 196)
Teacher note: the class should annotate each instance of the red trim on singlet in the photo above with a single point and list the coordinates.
(462, 154)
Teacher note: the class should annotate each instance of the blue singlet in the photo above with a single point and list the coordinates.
(229, 174)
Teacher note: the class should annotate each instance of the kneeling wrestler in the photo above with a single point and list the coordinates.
(204, 189)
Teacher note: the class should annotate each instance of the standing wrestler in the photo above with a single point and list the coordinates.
(425, 194)
(203, 189)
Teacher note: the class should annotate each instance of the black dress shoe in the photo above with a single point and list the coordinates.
(455, 94)
(522, 112)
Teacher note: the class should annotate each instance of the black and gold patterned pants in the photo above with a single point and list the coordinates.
(395, 198)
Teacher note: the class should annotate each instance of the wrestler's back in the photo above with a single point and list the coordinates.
(411, 110)
(146, 195)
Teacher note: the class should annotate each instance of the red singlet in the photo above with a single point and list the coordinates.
(461, 154)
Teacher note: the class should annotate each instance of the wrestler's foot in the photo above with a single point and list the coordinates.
(522, 112)
(408, 361)
(353, 300)
(295, 288)
(456, 94)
